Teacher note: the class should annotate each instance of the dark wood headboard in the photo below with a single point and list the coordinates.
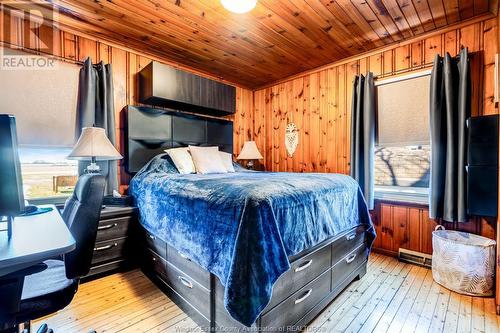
(149, 131)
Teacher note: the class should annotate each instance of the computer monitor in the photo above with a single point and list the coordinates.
(11, 183)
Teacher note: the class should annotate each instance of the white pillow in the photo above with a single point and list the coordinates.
(207, 160)
(182, 159)
(227, 160)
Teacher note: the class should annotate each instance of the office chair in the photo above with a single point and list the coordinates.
(55, 282)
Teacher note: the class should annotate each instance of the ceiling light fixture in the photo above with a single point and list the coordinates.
(239, 6)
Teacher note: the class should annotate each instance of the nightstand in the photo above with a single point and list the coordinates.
(115, 241)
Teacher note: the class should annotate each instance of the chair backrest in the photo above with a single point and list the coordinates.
(81, 213)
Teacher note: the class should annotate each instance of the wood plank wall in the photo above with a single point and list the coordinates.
(126, 64)
(319, 104)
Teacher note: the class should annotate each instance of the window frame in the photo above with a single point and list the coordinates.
(397, 195)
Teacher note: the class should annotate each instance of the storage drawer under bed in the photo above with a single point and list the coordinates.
(188, 267)
(155, 244)
(345, 244)
(298, 304)
(191, 291)
(302, 271)
(346, 265)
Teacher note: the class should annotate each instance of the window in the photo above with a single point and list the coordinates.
(44, 102)
(47, 173)
(402, 151)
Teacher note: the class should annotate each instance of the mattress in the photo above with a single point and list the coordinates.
(243, 226)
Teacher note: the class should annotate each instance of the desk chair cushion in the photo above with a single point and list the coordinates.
(46, 291)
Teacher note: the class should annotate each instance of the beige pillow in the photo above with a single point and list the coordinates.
(182, 159)
(207, 160)
(227, 160)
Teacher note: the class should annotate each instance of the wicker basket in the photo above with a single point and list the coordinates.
(463, 262)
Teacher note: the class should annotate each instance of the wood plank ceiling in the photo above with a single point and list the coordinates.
(277, 39)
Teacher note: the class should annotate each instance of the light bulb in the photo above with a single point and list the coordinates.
(239, 6)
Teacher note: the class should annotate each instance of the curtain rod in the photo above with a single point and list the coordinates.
(404, 70)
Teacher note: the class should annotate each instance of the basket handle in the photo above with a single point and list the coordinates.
(439, 227)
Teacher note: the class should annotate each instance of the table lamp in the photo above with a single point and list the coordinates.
(94, 145)
(249, 152)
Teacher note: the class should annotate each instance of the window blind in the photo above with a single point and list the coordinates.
(43, 102)
(403, 112)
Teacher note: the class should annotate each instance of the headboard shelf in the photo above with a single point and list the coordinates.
(149, 131)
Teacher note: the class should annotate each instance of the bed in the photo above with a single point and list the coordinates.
(248, 250)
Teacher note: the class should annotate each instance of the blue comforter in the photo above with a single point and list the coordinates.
(243, 226)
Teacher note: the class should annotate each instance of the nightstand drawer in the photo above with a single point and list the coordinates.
(113, 228)
(109, 250)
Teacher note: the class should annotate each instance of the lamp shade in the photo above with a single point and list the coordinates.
(249, 152)
(93, 142)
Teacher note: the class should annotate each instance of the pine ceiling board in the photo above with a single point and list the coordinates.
(369, 39)
(238, 31)
(224, 39)
(277, 39)
(360, 21)
(335, 27)
(411, 15)
(466, 9)
(125, 22)
(313, 15)
(399, 18)
(382, 13)
(438, 12)
(480, 6)
(364, 9)
(290, 33)
(424, 14)
(287, 12)
(451, 9)
(194, 61)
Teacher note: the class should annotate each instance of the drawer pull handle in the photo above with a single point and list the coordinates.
(152, 237)
(306, 295)
(183, 256)
(105, 247)
(351, 237)
(350, 258)
(108, 226)
(186, 282)
(303, 266)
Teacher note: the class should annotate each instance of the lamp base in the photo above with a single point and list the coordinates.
(93, 168)
(250, 165)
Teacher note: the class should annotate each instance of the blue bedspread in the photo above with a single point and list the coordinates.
(243, 226)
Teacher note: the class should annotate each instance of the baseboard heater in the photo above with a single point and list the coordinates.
(414, 257)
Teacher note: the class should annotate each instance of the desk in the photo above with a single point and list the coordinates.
(34, 239)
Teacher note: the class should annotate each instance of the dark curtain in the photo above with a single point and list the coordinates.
(96, 108)
(450, 106)
(363, 134)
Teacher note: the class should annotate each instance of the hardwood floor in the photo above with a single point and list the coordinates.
(391, 297)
